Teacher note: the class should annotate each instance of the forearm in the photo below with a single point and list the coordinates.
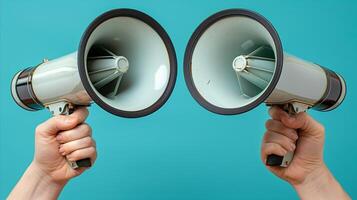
(321, 185)
(35, 184)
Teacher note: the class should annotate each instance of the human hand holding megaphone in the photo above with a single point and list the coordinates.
(63, 139)
(307, 172)
(58, 140)
(288, 133)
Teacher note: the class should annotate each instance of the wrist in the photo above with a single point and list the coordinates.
(35, 169)
(314, 182)
(46, 183)
(320, 184)
(36, 184)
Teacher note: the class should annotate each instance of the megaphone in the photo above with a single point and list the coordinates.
(234, 61)
(125, 63)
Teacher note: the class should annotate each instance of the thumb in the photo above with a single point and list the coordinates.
(62, 123)
(305, 123)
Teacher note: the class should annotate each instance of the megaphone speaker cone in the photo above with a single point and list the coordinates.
(233, 61)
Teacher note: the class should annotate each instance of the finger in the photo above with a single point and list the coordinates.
(82, 143)
(79, 115)
(278, 127)
(285, 142)
(81, 131)
(62, 122)
(271, 148)
(80, 154)
(305, 123)
(277, 113)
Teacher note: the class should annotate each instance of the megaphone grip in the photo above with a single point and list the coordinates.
(284, 161)
(79, 163)
(65, 108)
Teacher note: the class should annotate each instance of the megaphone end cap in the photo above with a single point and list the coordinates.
(23, 94)
(193, 42)
(335, 92)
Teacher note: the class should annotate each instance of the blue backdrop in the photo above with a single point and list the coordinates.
(182, 151)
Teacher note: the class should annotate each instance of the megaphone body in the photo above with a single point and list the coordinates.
(307, 85)
(234, 61)
(125, 63)
(53, 84)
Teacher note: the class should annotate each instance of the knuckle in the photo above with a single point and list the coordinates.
(264, 148)
(74, 119)
(320, 127)
(269, 135)
(70, 119)
(39, 129)
(85, 111)
(92, 150)
(269, 123)
(86, 129)
(87, 141)
(60, 118)
(266, 135)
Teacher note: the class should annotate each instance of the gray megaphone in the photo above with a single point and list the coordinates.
(125, 63)
(234, 61)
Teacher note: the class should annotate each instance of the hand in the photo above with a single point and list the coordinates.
(49, 171)
(299, 133)
(307, 172)
(64, 136)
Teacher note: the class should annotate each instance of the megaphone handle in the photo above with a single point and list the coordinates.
(65, 108)
(284, 161)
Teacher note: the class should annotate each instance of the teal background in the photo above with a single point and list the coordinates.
(182, 151)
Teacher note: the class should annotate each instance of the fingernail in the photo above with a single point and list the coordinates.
(292, 147)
